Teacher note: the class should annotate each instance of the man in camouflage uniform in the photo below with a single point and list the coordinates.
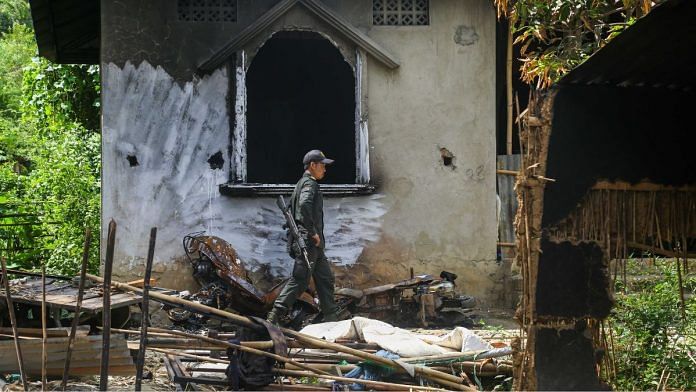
(307, 207)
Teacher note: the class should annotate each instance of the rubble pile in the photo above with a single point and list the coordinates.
(218, 337)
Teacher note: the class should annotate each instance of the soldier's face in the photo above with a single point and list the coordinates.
(317, 170)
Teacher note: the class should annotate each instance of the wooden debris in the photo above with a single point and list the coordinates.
(13, 321)
(145, 311)
(87, 351)
(78, 307)
(106, 314)
(445, 379)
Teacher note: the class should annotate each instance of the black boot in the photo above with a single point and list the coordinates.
(276, 314)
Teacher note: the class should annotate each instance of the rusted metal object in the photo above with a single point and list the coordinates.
(225, 283)
(433, 300)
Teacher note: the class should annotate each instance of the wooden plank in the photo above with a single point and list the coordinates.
(120, 370)
(78, 339)
(508, 197)
(176, 373)
(658, 251)
(171, 373)
(60, 348)
(117, 301)
(640, 187)
(300, 387)
(82, 330)
(84, 353)
(63, 302)
(35, 363)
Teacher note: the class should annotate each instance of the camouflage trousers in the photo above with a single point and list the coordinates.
(298, 282)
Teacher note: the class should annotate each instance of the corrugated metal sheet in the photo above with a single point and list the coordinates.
(67, 31)
(508, 198)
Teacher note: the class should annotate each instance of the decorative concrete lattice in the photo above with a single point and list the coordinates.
(207, 10)
(400, 12)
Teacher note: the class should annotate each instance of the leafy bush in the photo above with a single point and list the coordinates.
(50, 162)
(14, 12)
(17, 47)
(652, 339)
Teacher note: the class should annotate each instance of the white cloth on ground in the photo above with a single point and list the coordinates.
(398, 340)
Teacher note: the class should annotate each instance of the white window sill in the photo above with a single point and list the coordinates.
(258, 190)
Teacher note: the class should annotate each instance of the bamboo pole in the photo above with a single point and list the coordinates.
(243, 348)
(13, 322)
(294, 373)
(507, 172)
(44, 335)
(508, 91)
(434, 375)
(192, 356)
(78, 306)
(259, 345)
(145, 311)
(106, 310)
(682, 301)
(657, 251)
(380, 385)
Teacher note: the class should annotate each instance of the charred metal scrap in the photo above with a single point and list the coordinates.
(434, 301)
(226, 284)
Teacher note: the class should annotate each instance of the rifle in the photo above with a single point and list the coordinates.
(294, 231)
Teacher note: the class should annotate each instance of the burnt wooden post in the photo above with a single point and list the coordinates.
(106, 310)
(78, 306)
(44, 335)
(145, 310)
(13, 322)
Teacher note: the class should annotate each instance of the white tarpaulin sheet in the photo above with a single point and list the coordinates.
(398, 340)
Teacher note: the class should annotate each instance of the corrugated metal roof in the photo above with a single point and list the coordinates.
(67, 31)
(659, 50)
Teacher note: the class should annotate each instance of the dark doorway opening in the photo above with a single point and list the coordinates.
(300, 96)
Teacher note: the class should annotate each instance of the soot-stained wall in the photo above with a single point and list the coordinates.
(616, 133)
(572, 281)
(565, 359)
(176, 124)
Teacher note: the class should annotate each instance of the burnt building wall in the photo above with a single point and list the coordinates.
(617, 134)
(573, 281)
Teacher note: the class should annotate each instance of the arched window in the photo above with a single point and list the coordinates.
(300, 96)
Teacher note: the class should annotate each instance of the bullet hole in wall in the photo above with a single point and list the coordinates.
(216, 161)
(447, 158)
(132, 160)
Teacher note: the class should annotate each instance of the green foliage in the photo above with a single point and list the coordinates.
(57, 95)
(14, 12)
(557, 35)
(652, 338)
(50, 160)
(17, 47)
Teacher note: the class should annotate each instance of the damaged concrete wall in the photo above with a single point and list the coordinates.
(440, 99)
(433, 211)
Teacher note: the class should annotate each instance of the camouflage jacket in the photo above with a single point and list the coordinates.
(307, 207)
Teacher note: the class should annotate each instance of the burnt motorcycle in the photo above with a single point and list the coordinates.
(226, 284)
(423, 301)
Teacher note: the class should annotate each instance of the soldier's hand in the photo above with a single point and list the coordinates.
(317, 239)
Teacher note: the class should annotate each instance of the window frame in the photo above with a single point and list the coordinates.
(238, 184)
